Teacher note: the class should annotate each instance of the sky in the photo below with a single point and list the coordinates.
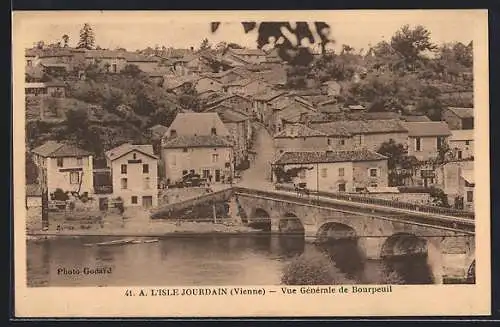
(138, 30)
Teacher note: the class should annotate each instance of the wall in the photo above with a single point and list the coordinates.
(207, 84)
(282, 144)
(362, 179)
(176, 160)
(239, 103)
(238, 131)
(61, 179)
(417, 198)
(428, 147)
(453, 121)
(373, 141)
(145, 66)
(136, 179)
(316, 179)
(467, 149)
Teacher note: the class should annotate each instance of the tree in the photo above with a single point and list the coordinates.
(87, 37)
(411, 43)
(65, 39)
(31, 170)
(131, 70)
(205, 44)
(76, 120)
(40, 44)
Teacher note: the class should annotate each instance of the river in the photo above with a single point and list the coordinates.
(202, 261)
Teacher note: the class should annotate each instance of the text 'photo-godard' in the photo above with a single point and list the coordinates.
(217, 152)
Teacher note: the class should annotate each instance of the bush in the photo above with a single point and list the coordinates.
(60, 195)
(312, 269)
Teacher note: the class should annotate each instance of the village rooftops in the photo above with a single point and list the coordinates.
(298, 130)
(355, 127)
(248, 52)
(462, 112)
(268, 95)
(198, 141)
(137, 57)
(198, 123)
(432, 128)
(222, 97)
(310, 157)
(52, 149)
(412, 118)
(462, 135)
(107, 54)
(126, 148)
(231, 116)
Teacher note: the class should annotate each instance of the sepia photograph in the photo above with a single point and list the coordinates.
(182, 157)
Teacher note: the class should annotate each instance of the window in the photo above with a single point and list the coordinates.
(324, 172)
(145, 169)
(134, 156)
(60, 162)
(134, 199)
(342, 142)
(123, 183)
(341, 172)
(185, 150)
(467, 142)
(329, 142)
(214, 131)
(418, 144)
(374, 185)
(146, 183)
(79, 161)
(215, 157)
(342, 187)
(173, 133)
(30, 63)
(459, 154)
(124, 169)
(191, 171)
(114, 68)
(470, 196)
(373, 172)
(302, 174)
(206, 172)
(439, 142)
(74, 177)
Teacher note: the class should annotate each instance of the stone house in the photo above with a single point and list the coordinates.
(461, 143)
(425, 139)
(459, 118)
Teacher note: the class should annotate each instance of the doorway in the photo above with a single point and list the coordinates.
(147, 201)
(217, 175)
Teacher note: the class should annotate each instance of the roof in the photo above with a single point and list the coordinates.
(351, 127)
(298, 130)
(137, 57)
(33, 52)
(104, 54)
(125, 148)
(173, 81)
(241, 82)
(308, 157)
(419, 118)
(431, 128)
(462, 112)
(268, 95)
(56, 52)
(198, 123)
(158, 129)
(53, 149)
(33, 190)
(468, 175)
(224, 97)
(231, 116)
(248, 52)
(462, 135)
(191, 141)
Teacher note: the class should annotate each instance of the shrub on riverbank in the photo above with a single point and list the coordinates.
(312, 269)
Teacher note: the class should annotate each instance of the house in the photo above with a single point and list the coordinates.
(238, 102)
(415, 118)
(31, 56)
(359, 134)
(204, 84)
(233, 74)
(175, 84)
(59, 58)
(461, 142)
(65, 167)
(331, 88)
(334, 171)
(198, 143)
(264, 101)
(254, 56)
(52, 89)
(246, 86)
(111, 61)
(275, 76)
(426, 138)
(459, 118)
(240, 129)
(134, 171)
(147, 64)
(290, 111)
(299, 137)
(457, 180)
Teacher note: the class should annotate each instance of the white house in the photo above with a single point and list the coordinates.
(198, 143)
(65, 167)
(334, 171)
(461, 142)
(426, 138)
(134, 170)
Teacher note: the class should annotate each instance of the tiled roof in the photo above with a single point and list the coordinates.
(158, 129)
(52, 149)
(197, 141)
(104, 54)
(137, 57)
(432, 128)
(125, 148)
(231, 116)
(298, 130)
(350, 127)
(462, 135)
(462, 112)
(268, 95)
(308, 157)
(198, 123)
(248, 52)
(420, 118)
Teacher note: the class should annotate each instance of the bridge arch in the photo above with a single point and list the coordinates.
(471, 272)
(260, 219)
(290, 223)
(335, 231)
(401, 244)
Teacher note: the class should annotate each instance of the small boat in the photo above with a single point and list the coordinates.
(144, 241)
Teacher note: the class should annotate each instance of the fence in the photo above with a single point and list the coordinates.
(387, 203)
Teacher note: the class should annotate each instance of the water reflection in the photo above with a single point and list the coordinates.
(207, 260)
